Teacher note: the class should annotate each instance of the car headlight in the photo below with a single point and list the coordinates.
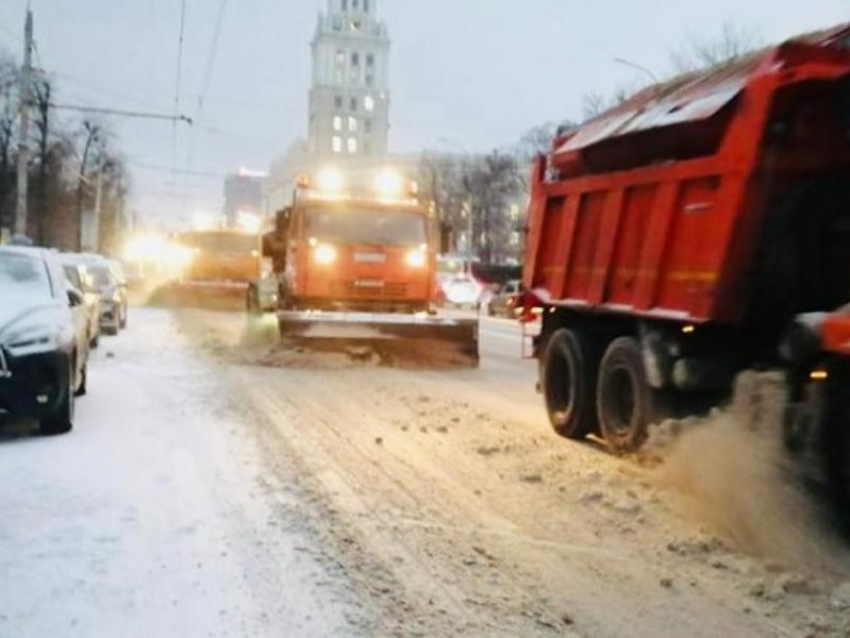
(325, 254)
(33, 340)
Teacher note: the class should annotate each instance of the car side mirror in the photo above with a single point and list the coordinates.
(75, 298)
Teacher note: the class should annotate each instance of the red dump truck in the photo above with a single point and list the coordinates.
(700, 229)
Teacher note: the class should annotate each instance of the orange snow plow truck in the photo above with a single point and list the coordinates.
(222, 268)
(359, 268)
(698, 230)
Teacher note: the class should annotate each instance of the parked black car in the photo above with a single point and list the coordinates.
(44, 343)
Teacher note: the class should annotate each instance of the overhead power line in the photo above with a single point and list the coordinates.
(122, 113)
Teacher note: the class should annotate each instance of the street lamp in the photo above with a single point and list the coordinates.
(638, 67)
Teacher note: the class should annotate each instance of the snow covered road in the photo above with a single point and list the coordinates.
(216, 485)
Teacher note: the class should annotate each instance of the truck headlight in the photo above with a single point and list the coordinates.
(416, 258)
(325, 254)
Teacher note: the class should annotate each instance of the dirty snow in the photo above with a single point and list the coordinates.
(381, 501)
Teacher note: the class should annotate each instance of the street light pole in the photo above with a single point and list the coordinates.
(23, 138)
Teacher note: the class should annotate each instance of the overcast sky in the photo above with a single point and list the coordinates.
(472, 74)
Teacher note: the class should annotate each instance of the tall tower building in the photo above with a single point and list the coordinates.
(350, 97)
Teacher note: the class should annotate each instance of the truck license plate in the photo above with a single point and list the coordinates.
(370, 258)
(369, 283)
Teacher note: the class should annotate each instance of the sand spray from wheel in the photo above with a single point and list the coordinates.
(737, 477)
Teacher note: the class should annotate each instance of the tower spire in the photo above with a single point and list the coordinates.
(349, 98)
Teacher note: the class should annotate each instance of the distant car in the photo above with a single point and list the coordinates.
(113, 294)
(505, 301)
(123, 288)
(78, 276)
(44, 339)
(462, 291)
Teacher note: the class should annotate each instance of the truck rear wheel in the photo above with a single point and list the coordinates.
(568, 378)
(624, 397)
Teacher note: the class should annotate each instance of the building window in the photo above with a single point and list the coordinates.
(337, 123)
(367, 147)
(337, 145)
(354, 104)
(338, 101)
(366, 6)
(352, 145)
(356, 25)
(370, 80)
(337, 23)
(355, 59)
(340, 57)
(514, 213)
(355, 4)
(369, 103)
(370, 60)
(352, 124)
(345, 5)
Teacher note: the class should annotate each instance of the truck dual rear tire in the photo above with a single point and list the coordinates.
(569, 382)
(624, 397)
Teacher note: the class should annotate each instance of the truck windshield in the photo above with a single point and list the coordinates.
(23, 275)
(366, 226)
(223, 243)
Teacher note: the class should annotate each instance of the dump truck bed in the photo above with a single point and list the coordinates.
(659, 207)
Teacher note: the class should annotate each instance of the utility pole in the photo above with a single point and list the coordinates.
(23, 139)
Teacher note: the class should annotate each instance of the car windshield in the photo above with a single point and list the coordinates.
(72, 274)
(366, 226)
(101, 275)
(222, 243)
(22, 274)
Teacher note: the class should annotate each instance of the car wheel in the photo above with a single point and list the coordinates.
(83, 389)
(124, 318)
(110, 331)
(62, 421)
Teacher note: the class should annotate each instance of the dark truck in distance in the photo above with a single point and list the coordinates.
(700, 229)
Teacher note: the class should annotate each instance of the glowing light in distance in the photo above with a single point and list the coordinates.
(389, 183)
(146, 247)
(330, 180)
(249, 222)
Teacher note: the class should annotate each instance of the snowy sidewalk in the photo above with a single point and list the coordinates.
(153, 517)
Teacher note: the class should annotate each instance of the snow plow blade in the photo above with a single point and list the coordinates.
(207, 295)
(423, 338)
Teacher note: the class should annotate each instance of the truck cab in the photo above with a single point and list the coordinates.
(357, 255)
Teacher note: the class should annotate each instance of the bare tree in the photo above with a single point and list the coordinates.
(732, 43)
